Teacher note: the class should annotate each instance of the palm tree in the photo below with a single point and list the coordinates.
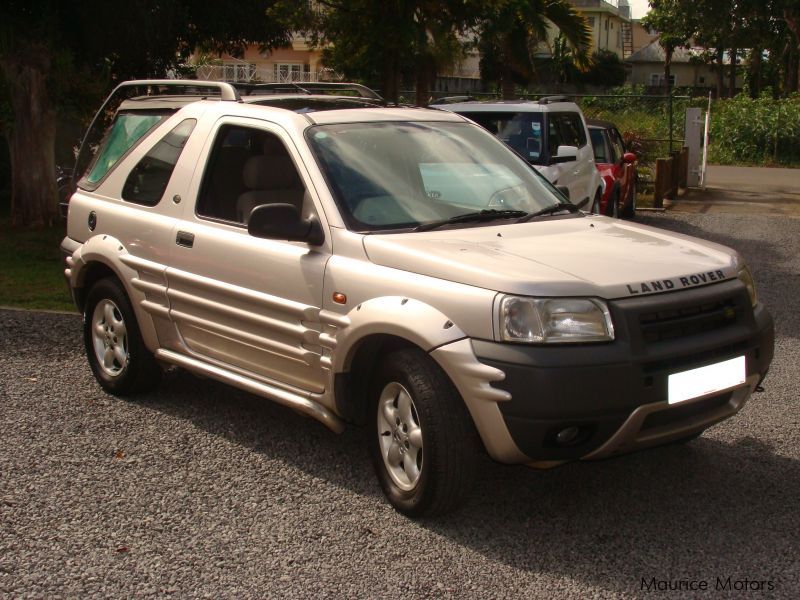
(510, 34)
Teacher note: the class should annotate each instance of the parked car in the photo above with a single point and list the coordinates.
(617, 167)
(401, 269)
(550, 134)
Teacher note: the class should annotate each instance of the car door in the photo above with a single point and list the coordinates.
(577, 176)
(246, 303)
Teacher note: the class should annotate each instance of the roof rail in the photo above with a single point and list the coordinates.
(226, 90)
(551, 99)
(253, 89)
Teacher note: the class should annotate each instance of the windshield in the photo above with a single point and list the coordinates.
(402, 175)
(523, 131)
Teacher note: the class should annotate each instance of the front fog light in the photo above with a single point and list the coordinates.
(747, 279)
(555, 320)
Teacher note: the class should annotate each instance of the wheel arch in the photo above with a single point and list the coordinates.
(375, 328)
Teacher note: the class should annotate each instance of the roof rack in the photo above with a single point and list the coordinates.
(253, 89)
(453, 99)
(551, 99)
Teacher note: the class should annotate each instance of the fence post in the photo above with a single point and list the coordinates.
(684, 168)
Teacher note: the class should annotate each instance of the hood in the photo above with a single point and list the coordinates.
(583, 256)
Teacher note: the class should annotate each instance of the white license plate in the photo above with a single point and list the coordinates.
(706, 380)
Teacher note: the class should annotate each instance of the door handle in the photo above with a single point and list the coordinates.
(185, 239)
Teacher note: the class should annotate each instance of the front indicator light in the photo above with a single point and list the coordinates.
(747, 279)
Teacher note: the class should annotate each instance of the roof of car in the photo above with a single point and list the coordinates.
(598, 124)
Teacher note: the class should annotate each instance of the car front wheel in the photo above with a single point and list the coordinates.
(424, 446)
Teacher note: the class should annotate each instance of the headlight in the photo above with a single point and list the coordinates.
(554, 320)
(747, 279)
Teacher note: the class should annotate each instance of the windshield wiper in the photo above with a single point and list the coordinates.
(489, 214)
(549, 210)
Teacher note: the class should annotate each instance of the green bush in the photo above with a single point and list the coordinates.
(745, 131)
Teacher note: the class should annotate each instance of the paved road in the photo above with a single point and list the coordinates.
(199, 490)
(745, 190)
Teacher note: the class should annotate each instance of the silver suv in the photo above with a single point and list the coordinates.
(402, 269)
(551, 134)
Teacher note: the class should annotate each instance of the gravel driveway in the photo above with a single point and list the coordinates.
(200, 490)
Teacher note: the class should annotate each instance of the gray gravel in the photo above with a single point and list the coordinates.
(200, 490)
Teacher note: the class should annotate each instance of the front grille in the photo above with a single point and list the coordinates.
(675, 323)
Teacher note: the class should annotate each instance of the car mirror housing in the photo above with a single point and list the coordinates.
(565, 154)
(629, 157)
(284, 222)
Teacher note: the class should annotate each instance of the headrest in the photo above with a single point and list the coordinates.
(275, 172)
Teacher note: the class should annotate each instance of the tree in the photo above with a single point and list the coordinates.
(52, 53)
(388, 41)
(511, 30)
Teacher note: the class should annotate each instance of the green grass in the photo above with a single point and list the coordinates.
(31, 271)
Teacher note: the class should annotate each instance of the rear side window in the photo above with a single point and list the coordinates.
(126, 131)
(149, 178)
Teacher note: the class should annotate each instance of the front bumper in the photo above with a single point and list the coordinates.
(615, 394)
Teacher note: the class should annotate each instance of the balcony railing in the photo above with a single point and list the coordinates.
(251, 73)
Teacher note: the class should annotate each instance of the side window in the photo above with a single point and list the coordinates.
(247, 168)
(599, 146)
(149, 178)
(126, 130)
(572, 130)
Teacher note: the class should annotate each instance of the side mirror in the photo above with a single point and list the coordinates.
(565, 154)
(629, 157)
(283, 222)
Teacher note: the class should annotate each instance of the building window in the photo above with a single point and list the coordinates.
(288, 72)
(657, 80)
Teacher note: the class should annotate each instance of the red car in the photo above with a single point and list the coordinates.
(617, 168)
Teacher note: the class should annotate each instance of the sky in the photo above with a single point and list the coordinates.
(639, 8)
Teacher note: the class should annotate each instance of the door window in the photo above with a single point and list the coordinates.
(149, 178)
(248, 167)
(572, 131)
(601, 151)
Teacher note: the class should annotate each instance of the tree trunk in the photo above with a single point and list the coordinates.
(668, 69)
(31, 141)
(755, 72)
(732, 79)
(426, 79)
(720, 72)
(389, 85)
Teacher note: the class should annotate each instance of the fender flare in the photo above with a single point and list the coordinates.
(415, 321)
(110, 252)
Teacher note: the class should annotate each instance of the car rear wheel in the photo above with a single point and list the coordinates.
(612, 207)
(423, 443)
(117, 355)
(596, 203)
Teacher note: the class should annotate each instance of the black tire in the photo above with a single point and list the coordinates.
(629, 211)
(449, 444)
(595, 209)
(612, 206)
(139, 371)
